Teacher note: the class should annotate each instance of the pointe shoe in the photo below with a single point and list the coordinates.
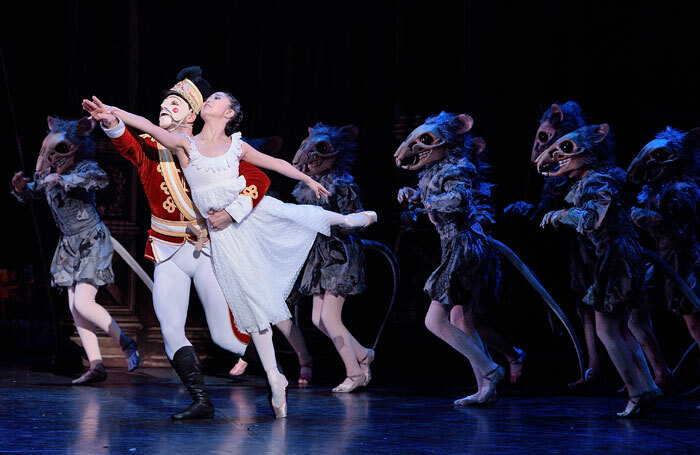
(491, 396)
(643, 404)
(356, 220)
(97, 374)
(367, 360)
(347, 387)
(131, 355)
(305, 373)
(516, 365)
(239, 368)
(280, 409)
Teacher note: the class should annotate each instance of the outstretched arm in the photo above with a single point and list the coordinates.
(173, 142)
(262, 160)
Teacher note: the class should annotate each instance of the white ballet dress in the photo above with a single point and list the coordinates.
(257, 260)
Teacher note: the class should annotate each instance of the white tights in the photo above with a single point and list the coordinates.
(171, 298)
(87, 314)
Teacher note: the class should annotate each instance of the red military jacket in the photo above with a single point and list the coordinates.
(143, 151)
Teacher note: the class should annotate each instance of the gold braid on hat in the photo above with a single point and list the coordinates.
(187, 90)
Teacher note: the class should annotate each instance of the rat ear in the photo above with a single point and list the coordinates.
(50, 121)
(350, 131)
(479, 145)
(465, 123)
(85, 126)
(601, 131)
(557, 114)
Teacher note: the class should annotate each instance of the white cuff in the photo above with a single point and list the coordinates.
(115, 131)
(240, 208)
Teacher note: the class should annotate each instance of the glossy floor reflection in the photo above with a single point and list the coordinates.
(41, 414)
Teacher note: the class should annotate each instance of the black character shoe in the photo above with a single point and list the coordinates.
(97, 374)
(642, 404)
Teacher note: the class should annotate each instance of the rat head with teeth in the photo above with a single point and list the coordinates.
(574, 153)
(327, 148)
(440, 137)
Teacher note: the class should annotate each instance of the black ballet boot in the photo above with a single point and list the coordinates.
(186, 364)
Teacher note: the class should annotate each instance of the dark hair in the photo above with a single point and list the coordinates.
(194, 74)
(232, 125)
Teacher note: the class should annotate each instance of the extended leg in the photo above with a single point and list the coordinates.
(360, 219)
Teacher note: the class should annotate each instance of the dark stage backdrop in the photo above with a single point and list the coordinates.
(379, 65)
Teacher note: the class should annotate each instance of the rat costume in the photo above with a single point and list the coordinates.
(469, 271)
(178, 244)
(334, 268)
(667, 208)
(84, 251)
(600, 213)
(557, 120)
(335, 262)
(67, 177)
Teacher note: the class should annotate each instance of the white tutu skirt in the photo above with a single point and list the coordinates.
(257, 261)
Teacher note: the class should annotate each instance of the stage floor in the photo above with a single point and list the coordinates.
(129, 414)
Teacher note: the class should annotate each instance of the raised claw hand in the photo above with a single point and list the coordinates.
(551, 218)
(409, 195)
(517, 209)
(19, 181)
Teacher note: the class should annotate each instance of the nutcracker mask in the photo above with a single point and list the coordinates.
(183, 102)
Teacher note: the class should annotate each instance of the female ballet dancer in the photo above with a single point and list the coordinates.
(257, 260)
(67, 177)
